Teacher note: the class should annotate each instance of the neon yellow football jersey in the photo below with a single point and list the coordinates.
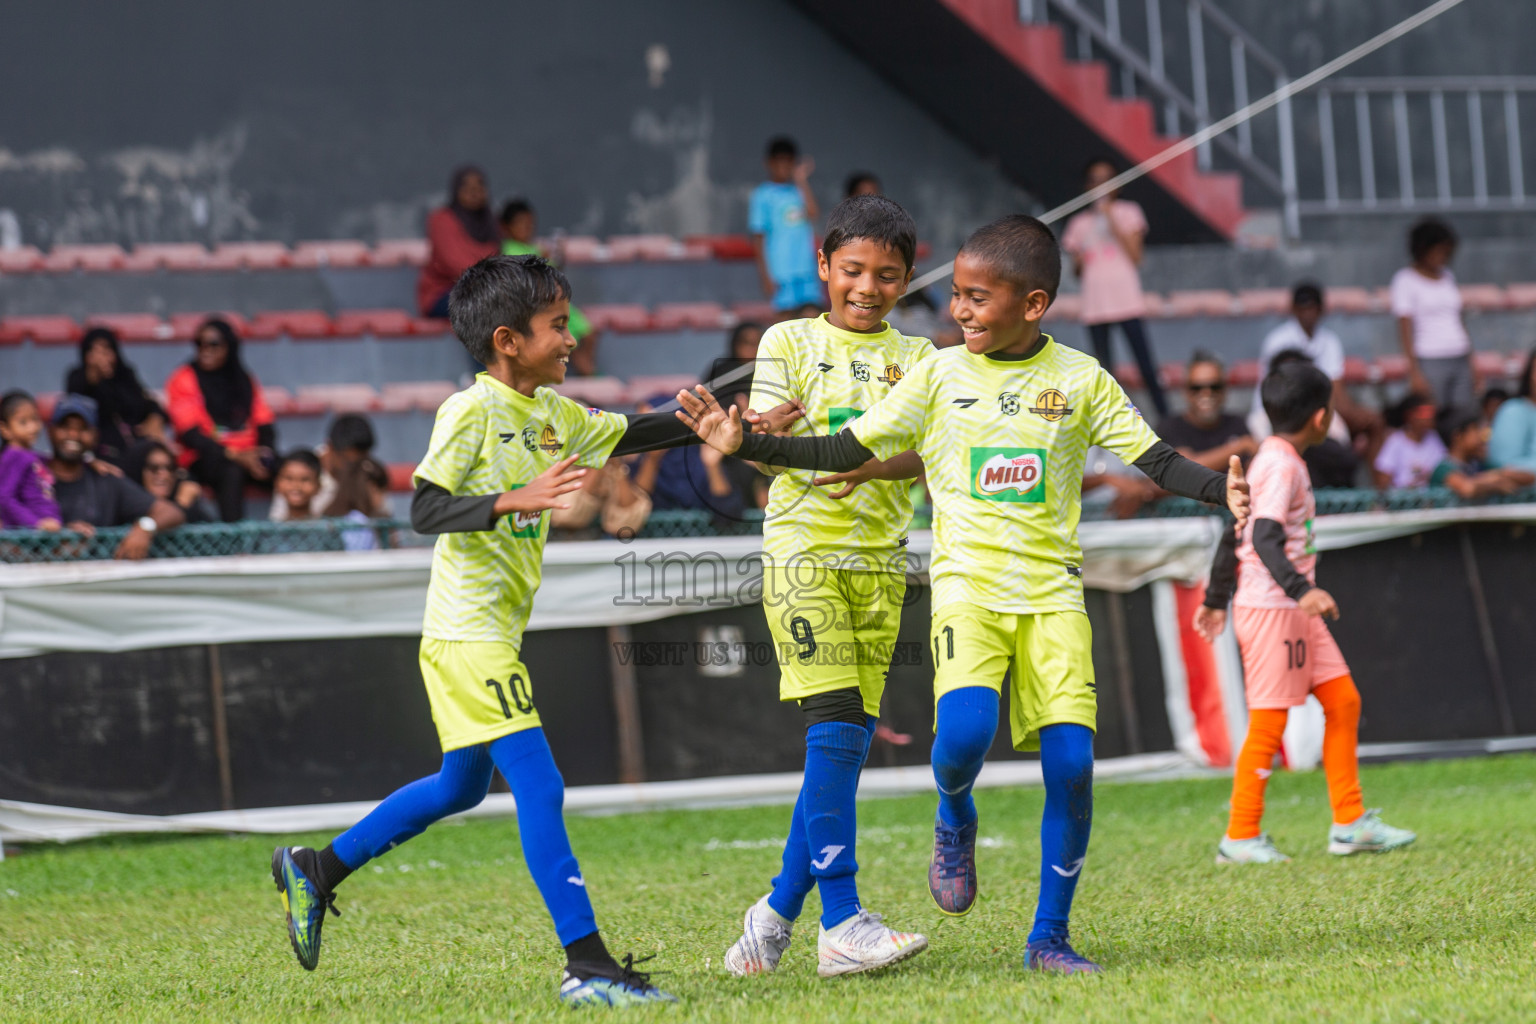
(838, 375)
(488, 439)
(1004, 443)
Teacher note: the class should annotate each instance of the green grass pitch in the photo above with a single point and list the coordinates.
(449, 927)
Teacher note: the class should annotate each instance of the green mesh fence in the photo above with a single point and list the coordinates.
(263, 538)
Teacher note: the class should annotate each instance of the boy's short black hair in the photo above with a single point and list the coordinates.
(304, 457)
(1426, 234)
(502, 291)
(1021, 250)
(351, 432)
(876, 218)
(1205, 357)
(11, 402)
(1292, 394)
(514, 208)
(1307, 293)
(1454, 420)
(782, 145)
(856, 179)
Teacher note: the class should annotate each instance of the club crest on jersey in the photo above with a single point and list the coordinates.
(1051, 405)
(1008, 474)
(1008, 402)
(593, 410)
(860, 370)
(892, 374)
(549, 441)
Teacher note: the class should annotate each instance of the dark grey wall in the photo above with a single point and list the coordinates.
(172, 120)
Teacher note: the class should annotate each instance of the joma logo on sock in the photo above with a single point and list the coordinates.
(826, 861)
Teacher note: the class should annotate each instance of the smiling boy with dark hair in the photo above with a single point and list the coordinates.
(1003, 425)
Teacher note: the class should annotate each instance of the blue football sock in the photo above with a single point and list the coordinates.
(529, 768)
(965, 722)
(460, 784)
(834, 755)
(1066, 759)
(794, 881)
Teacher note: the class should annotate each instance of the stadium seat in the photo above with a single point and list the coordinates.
(583, 249)
(1244, 373)
(703, 316)
(754, 312)
(603, 392)
(430, 326)
(619, 317)
(381, 323)
(1201, 302)
(249, 256)
(167, 256)
(183, 324)
(330, 253)
(296, 323)
(724, 247)
(1391, 368)
(643, 389)
(283, 402)
(400, 252)
(623, 248)
(1351, 300)
(421, 395)
(65, 258)
(339, 398)
(1483, 298)
(46, 400)
(1156, 307)
(42, 330)
(1521, 296)
(1065, 308)
(1129, 375)
(1494, 365)
(20, 261)
(1358, 371)
(1172, 375)
(1264, 301)
(133, 326)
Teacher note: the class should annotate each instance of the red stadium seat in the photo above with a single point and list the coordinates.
(21, 261)
(1129, 375)
(46, 400)
(400, 252)
(133, 326)
(1156, 307)
(703, 316)
(1244, 374)
(296, 323)
(381, 323)
(1521, 296)
(626, 248)
(430, 326)
(583, 249)
(167, 256)
(1203, 302)
(619, 317)
(331, 253)
(1264, 301)
(279, 399)
(338, 398)
(422, 395)
(1065, 308)
(84, 257)
(401, 476)
(42, 330)
(725, 247)
(249, 256)
(184, 324)
(754, 312)
(603, 392)
(1493, 364)
(1391, 368)
(1483, 298)
(1172, 375)
(657, 387)
(1358, 371)
(1351, 300)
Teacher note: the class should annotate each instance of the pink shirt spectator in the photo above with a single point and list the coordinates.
(1280, 489)
(1111, 284)
(1434, 306)
(1408, 462)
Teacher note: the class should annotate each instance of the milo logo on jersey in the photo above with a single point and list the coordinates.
(524, 524)
(839, 416)
(1008, 474)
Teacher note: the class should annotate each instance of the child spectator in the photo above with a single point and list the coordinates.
(1463, 469)
(1493, 399)
(1106, 245)
(152, 465)
(519, 237)
(1427, 305)
(781, 218)
(221, 419)
(26, 485)
(1410, 454)
(361, 495)
(125, 409)
(349, 440)
(459, 235)
(298, 485)
(861, 183)
(917, 316)
(1288, 653)
(1513, 442)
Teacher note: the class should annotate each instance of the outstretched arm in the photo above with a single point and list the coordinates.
(1187, 478)
(722, 430)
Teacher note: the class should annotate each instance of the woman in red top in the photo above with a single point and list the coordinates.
(221, 419)
(461, 234)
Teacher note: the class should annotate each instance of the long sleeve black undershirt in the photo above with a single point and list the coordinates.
(1269, 545)
(843, 452)
(434, 510)
(1223, 581)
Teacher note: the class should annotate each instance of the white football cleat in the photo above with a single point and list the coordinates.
(764, 938)
(862, 943)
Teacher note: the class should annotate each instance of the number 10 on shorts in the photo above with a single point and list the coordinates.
(517, 688)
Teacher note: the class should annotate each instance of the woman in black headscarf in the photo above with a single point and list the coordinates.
(460, 234)
(126, 411)
(221, 419)
(151, 464)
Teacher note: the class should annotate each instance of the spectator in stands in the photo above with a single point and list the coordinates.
(1205, 431)
(782, 220)
(1427, 305)
(1513, 442)
(861, 183)
(917, 316)
(1463, 469)
(1493, 399)
(609, 498)
(1304, 333)
(221, 419)
(519, 237)
(89, 498)
(297, 485)
(152, 465)
(362, 494)
(460, 235)
(687, 478)
(26, 485)
(1106, 243)
(124, 407)
(350, 440)
(1411, 452)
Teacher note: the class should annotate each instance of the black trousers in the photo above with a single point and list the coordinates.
(228, 479)
(1141, 348)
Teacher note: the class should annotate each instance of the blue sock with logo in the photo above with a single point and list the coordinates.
(964, 725)
(834, 755)
(529, 768)
(1066, 759)
(794, 881)
(460, 784)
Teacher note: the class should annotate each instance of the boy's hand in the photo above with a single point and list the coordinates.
(1237, 492)
(543, 491)
(1318, 601)
(777, 420)
(715, 427)
(850, 479)
(803, 170)
(48, 525)
(1209, 622)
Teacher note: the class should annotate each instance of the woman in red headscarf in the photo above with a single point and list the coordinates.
(461, 234)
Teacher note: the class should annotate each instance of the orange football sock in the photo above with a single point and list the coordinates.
(1265, 728)
(1341, 742)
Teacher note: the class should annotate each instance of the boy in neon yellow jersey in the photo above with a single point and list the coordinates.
(833, 581)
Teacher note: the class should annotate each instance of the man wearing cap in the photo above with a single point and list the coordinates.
(89, 499)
